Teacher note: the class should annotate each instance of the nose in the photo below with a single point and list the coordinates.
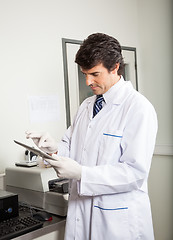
(89, 80)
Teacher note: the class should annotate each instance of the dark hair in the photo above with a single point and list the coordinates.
(100, 48)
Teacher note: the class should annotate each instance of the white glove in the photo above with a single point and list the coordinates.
(43, 140)
(66, 167)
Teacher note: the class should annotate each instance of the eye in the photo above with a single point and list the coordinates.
(95, 74)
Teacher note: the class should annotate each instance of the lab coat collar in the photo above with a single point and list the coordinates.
(118, 92)
(115, 95)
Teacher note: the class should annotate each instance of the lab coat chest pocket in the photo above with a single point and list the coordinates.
(111, 218)
(110, 150)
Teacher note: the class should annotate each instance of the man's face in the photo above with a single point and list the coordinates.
(99, 79)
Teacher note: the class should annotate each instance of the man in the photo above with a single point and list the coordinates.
(107, 151)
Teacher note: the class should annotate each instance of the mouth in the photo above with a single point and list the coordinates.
(93, 87)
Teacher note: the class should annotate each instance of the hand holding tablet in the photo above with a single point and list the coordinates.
(36, 151)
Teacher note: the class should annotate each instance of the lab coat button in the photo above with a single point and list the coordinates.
(77, 219)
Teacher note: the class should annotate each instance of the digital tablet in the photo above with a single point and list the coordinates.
(36, 151)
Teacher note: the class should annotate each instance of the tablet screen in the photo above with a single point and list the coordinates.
(36, 151)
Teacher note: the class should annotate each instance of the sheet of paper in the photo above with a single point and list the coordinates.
(43, 108)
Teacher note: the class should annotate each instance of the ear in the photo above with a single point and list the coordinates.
(115, 70)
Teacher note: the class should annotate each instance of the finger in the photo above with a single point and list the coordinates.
(31, 134)
(45, 144)
(56, 157)
(52, 162)
(42, 141)
(46, 160)
(28, 132)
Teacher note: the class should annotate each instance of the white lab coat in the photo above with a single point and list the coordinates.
(115, 149)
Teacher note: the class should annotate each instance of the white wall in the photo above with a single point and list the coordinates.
(156, 82)
(31, 64)
(31, 56)
(161, 195)
(156, 37)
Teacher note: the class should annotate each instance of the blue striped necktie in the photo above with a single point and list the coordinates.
(98, 104)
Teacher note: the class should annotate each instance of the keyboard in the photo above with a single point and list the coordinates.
(17, 226)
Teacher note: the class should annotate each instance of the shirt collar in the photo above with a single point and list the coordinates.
(116, 93)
